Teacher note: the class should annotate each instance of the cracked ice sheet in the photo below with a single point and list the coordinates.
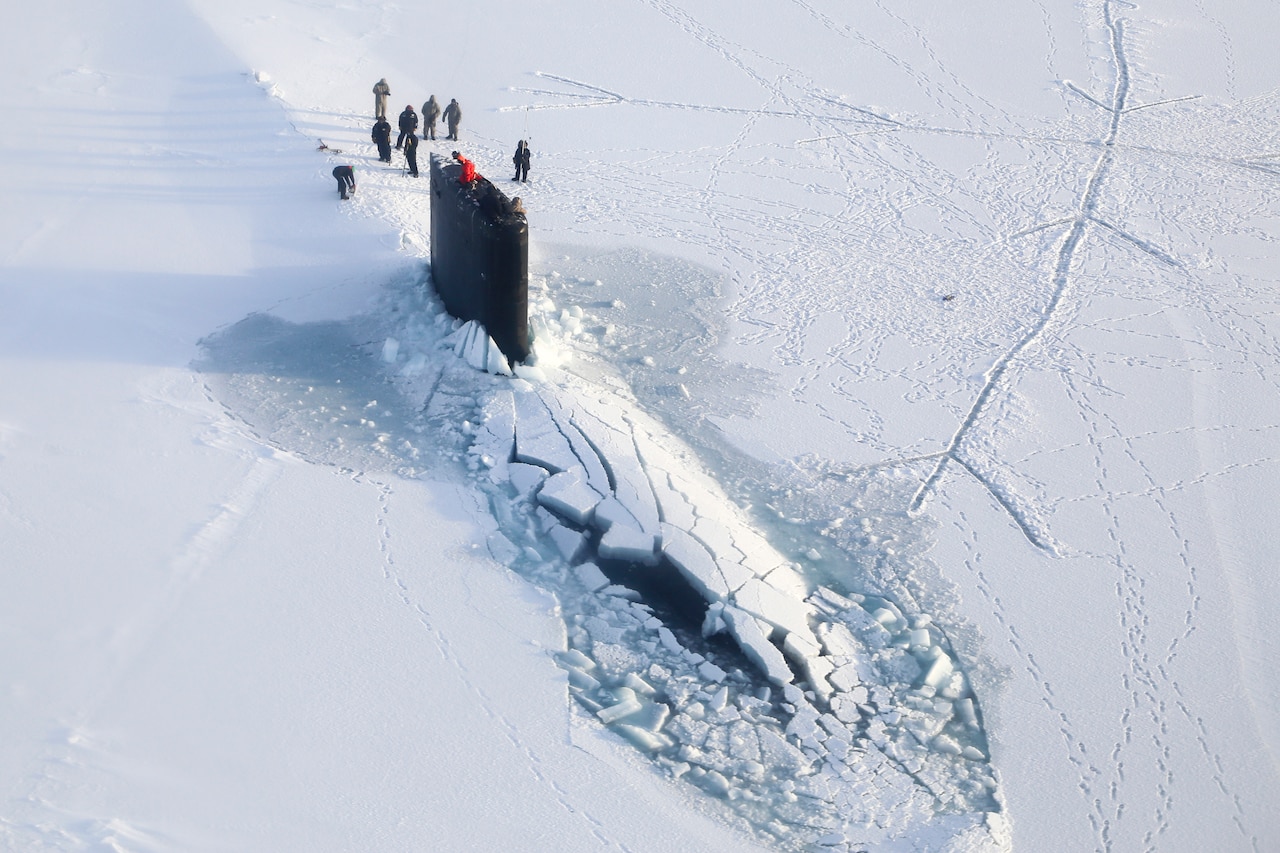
(893, 267)
(887, 684)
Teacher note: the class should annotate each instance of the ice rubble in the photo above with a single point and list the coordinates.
(828, 713)
(819, 716)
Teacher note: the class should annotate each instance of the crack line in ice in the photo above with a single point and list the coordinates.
(612, 98)
(1082, 93)
(1164, 102)
(1006, 503)
(1060, 280)
(1153, 251)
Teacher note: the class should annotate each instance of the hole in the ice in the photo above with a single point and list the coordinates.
(673, 600)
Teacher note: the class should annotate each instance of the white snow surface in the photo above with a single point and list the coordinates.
(935, 348)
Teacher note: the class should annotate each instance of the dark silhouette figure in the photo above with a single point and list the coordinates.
(382, 138)
(453, 118)
(521, 159)
(408, 124)
(346, 178)
(411, 153)
(430, 112)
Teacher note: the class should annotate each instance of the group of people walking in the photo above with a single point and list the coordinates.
(407, 141)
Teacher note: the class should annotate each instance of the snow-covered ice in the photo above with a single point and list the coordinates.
(894, 469)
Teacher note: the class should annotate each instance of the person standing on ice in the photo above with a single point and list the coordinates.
(382, 138)
(346, 178)
(453, 117)
(381, 91)
(469, 173)
(521, 159)
(430, 112)
(411, 153)
(408, 124)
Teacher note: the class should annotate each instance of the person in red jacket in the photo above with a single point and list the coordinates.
(469, 173)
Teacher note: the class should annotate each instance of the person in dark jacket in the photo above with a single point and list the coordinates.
(411, 153)
(453, 118)
(382, 138)
(430, 112)
(408, 124)
(381, 91)
(521, 159)
(346, 178)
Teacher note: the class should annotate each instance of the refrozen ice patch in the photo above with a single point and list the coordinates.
(819, 716)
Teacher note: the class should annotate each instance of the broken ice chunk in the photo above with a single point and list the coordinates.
(628, 705)
(669, 641)
(638, 684)
(525, 478)
(657, 461)
(713, 621)
(758, 555)
(872, 632)
(803, 726)
(838, 640)
(591, 576)
(773, 606)
(624, 542)
(575, 658)
(717, 537)
(623, 592)
(607, 429)
(642, 737)
(474, 345)
(610, 512)
(833, 601)
(786, 579)
(940, 670)
(582, 681)
(715, 783)
(711, 672)
(817, 671)
(800, 646)
(567, 495)
(887, 618)
(845, 709)
(845, 678)
(803, 650)
(694, 562)
(561, 409)
(651, 716)
(753, 638)
(946, 745)
(570, 543)
(538, 439)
